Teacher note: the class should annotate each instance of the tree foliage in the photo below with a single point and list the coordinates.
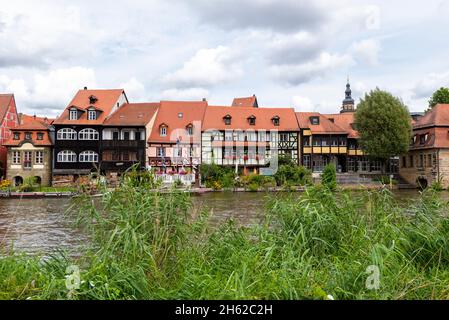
(384, 125)
(329, 177)
(439, 96)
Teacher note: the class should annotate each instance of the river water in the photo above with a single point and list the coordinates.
(41, 225)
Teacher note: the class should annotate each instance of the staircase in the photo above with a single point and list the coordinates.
(355, 178)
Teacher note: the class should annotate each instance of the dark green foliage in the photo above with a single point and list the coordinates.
(293, 175)
(384, 125)
(329, 177)
(213, 175)
(439, 96)
(147, 245)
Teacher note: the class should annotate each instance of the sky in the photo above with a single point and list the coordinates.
(289, 53)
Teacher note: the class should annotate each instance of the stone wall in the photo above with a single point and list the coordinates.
(439, 167)
(42, 171)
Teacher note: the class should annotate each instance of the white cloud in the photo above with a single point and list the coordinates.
(425, 87)
(48, 91)
(302, 104)
(185, 94)
(206, 68)
(135, 90)
(367, 51)
(299, 47)
(301, 73)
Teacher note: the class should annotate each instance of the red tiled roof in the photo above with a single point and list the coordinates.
(345, 122)
(245, 102)
(168, 114)
(5, 100)
(107, 100)
(34, 125)
(325, 126)
(132, 114)
(213, 119)
(438, 116)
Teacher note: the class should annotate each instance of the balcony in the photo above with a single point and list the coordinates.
(186, 179)
(113, 144)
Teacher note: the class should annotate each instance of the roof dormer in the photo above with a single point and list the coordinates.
(314, 120)
(227, 119)
(251, 120)
(275, 120)
(93, 99)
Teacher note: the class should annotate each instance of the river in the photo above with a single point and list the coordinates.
(40, 225)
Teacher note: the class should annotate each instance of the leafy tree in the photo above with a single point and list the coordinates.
(384, 125)
(439, 96)
(329, 177)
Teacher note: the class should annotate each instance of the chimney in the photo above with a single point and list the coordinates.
(85, 88)
(34, 117)
(204, 99)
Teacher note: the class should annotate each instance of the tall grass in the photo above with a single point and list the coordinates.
(148, 245)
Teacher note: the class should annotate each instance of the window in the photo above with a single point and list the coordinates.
(421, 161)
(73, 114)
(315, 120)
(423, 138)
(404, 162)
(115, 135)
(283, 137)
(16, 157)
(334, 142)
(160, 152)
(275, 121)
(262, 136)
(66, 134)
(67, 156)
(411, 161)
(39, 157)
(342, 142)
(163, 131)
(306, 161)
(88, 134)
(190, 130)
(40, 136)
(429, 160)
(125, 156)
(27, 160)
(16, 136)
(27, 135)
(227, 119)
(92, 115)
(126, 135)
(316, 142)
(306, 141)
(177, 152)
(88, 156)
(137, 135)
(252, 120)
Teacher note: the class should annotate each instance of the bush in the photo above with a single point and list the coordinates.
(293, 174)
(253, 187)
(212, 174)
(329, 177)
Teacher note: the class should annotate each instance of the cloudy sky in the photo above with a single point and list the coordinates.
(289, 53)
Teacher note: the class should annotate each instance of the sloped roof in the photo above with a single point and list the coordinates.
(245, 102)
(132, 114)
(5, 100)
(437, 116)
(325, 126)
(213, 119)
(107, 100)
(345, 121)
(169, 114)
(33, 124)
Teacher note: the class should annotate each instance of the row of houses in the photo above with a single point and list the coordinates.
(101, 131)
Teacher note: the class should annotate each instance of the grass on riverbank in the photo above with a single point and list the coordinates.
(153, 246)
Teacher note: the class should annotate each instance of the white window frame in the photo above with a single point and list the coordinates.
(91, 114)
(88, 134)
(67, 134)
(73, 114)
(39, 157)
(88, 156)
(66, 156)
(163, 131)
(16, 156)
(27, 159)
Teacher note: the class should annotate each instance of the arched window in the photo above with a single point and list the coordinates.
(88, 134)
(66, 134)
(88, 156)
(67, 156)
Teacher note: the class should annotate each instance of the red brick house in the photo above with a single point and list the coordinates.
(8, 120)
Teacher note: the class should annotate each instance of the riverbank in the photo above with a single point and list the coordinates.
(306, 246)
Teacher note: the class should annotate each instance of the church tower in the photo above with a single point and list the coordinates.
(348, 103)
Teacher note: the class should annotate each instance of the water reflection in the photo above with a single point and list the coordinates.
(40, 225)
